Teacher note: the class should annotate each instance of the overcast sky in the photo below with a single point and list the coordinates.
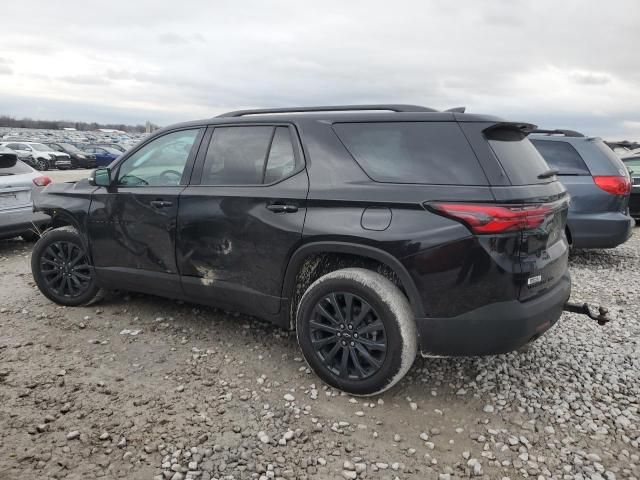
(572, 64)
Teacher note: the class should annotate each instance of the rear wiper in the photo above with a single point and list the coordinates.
(549, 173)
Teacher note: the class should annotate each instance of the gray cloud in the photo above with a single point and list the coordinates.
(590, 78)
(89, 79)
(5, 70)
(521, 60)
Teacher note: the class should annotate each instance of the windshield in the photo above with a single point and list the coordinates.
(633, 164)
(40, 147)
(70, 148)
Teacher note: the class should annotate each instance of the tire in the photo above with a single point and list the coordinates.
(389, 323)
(52, 256)
(42, 164)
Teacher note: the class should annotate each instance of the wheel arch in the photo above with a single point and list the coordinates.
(305, 255)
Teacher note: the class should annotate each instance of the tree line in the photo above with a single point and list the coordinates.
(7, 121)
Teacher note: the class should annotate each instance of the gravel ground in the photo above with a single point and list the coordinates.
(140, 387)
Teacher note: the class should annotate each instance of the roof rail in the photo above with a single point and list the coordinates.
(566, 133)
(330, 108)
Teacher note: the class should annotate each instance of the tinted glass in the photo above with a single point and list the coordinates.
(160, 162)
(561, 156)
(412, 152)
(519, 158)
(282, 161)
(236, 156)
(14, 146)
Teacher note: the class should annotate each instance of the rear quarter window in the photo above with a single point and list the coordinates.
(561, 156)
(434, 153)
(520, 160)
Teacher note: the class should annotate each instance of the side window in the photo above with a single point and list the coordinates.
(282, 160)
(236, 155)
(13, 146)
(251, 155)
(160, 162)
(561, 156)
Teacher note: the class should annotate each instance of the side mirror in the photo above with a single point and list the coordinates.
(101, 177)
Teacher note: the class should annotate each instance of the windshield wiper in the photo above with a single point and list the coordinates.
(549, 173)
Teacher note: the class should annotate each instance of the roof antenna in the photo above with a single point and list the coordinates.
(456, 109)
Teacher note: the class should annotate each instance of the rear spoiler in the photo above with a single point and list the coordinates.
(524, 128)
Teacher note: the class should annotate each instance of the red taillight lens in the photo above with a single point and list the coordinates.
(615, 185)
(42, 181)
(494, 218)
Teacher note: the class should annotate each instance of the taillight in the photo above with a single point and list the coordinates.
(613, 184)
(42, 181)
(481, 218)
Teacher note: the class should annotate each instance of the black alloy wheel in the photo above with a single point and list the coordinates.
(65, 269)
(348, 335)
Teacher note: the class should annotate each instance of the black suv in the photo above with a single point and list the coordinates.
(375, 231)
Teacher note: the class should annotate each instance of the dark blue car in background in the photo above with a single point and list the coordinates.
(104, 155)
(599, 185)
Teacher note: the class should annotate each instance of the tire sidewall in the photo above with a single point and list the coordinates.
(393, 362)
(47, 239)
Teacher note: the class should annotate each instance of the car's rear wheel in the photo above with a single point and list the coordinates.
(356, 331)
(62, 270)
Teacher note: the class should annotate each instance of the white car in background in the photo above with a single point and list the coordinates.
(45, 157)
(17, 181)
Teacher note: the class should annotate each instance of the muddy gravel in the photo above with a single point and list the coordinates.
(140, 387)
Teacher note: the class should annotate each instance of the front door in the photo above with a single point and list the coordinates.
(131, 225)
(242, 217)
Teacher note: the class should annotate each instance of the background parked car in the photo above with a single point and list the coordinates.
(104, 155)
(79, 158)
(17, 180)
(599, 185)
(114, 146)
(45, 157)
(633, 165)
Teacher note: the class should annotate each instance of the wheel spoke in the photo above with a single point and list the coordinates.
(366, 308)
(371, 345)
(372, 327)
(334, 302)
(324, 327)
(367, 356)
(323, 311)
(50, 262)
(348, 300)
(332, 353)
(81, 275)
(344, 367)
(77, 258)
(324, 341)
(356, 362)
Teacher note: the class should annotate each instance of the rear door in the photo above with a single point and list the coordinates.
(242, 216)
(543, 250)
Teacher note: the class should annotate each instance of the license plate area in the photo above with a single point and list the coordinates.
(15, 199)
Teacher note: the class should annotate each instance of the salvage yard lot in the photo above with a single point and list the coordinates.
(138, 387)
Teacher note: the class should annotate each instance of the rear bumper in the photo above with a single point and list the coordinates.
(496, 328)
(19, 221)
(599, 230)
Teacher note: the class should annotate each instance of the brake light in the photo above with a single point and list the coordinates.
(613, 184)
(489, 218)
(42, 181)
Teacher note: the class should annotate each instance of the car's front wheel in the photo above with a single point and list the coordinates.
(356, 331)
(42, 164)
(62, 270)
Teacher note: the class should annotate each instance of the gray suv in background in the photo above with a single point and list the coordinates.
(599, 185)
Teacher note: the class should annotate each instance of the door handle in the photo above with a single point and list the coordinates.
(160, 203)
(282, 208)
